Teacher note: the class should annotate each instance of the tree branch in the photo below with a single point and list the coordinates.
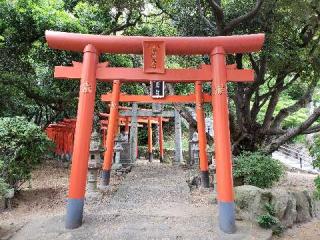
(302, 102)
(127, 24)
(313, 129)
(163, 9)
(272, 105)
(206, 21)
(303, 127)
(235, 22)
(219, 16)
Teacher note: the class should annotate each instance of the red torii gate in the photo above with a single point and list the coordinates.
(159, 119)
(154, 50)
(124, 120)
(62, 134)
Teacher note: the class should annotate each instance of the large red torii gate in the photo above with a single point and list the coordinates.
(154, 50)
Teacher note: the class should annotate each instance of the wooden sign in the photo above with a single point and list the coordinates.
(157, 89)
(154, 56)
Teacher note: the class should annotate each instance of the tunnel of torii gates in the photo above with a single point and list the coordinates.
(154, 50)
(124, 121)
(62, 134)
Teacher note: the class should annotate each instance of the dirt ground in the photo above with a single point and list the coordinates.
(152, 202)
(297, 181)
(46, 196)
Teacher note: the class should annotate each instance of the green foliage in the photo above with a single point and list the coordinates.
(3, 187)
(315, 152)
(22, 147)
(317, 184)
(27, 87)
(269, 221)
(258, 169)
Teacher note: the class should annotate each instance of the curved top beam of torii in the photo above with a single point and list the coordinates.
(173, 45)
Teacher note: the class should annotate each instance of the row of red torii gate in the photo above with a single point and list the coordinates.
(154, 50)
(130, 119)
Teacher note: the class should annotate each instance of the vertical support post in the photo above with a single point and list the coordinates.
(126, 128)
(83, 130)
(222, 141)
(178, 138)
(111, 133)
(104, 137)
(150, 154)
(204, 173)
(134, 133)
(160, 140)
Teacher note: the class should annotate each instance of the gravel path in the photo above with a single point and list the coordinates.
(153, 202)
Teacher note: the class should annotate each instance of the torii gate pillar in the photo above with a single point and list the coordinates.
(222, 141)
(178, 138)
(204, 169)
(112, 132)
(79, 168)
(161, 139)
(150, 153)
(133, 138)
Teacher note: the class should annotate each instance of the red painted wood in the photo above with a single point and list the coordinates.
(148, 99)
(174, 45)
(108, 74)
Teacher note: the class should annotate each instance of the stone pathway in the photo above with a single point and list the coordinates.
(153, 202)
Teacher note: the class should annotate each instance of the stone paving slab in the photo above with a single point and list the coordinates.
(153, 202)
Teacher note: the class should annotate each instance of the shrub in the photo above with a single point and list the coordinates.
(22, 145)
(269, 221)
(3, 187)
(317, 184)
(315, 152)
(258, 169)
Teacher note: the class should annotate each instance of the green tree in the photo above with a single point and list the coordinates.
(27, 87)
(288, 66)
(23, 145)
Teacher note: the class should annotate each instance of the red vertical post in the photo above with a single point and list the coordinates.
(112, 127)
(160, 139)
(222, 141)
(83, 130)
(204, 173)
(150, 155)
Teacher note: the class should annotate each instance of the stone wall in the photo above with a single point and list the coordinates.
(291, 206)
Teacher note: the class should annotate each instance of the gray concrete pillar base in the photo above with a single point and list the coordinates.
(105, 177)
(74, 213)
(227, 217)
(204, 176)
(150, 157)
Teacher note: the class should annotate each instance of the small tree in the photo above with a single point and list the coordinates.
(22, 145)
(258, 169)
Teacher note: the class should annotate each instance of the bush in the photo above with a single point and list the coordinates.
(22, 145)
(257, 169)
(269, 221)
(3, 187)
(317, 184)
(315, 152)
